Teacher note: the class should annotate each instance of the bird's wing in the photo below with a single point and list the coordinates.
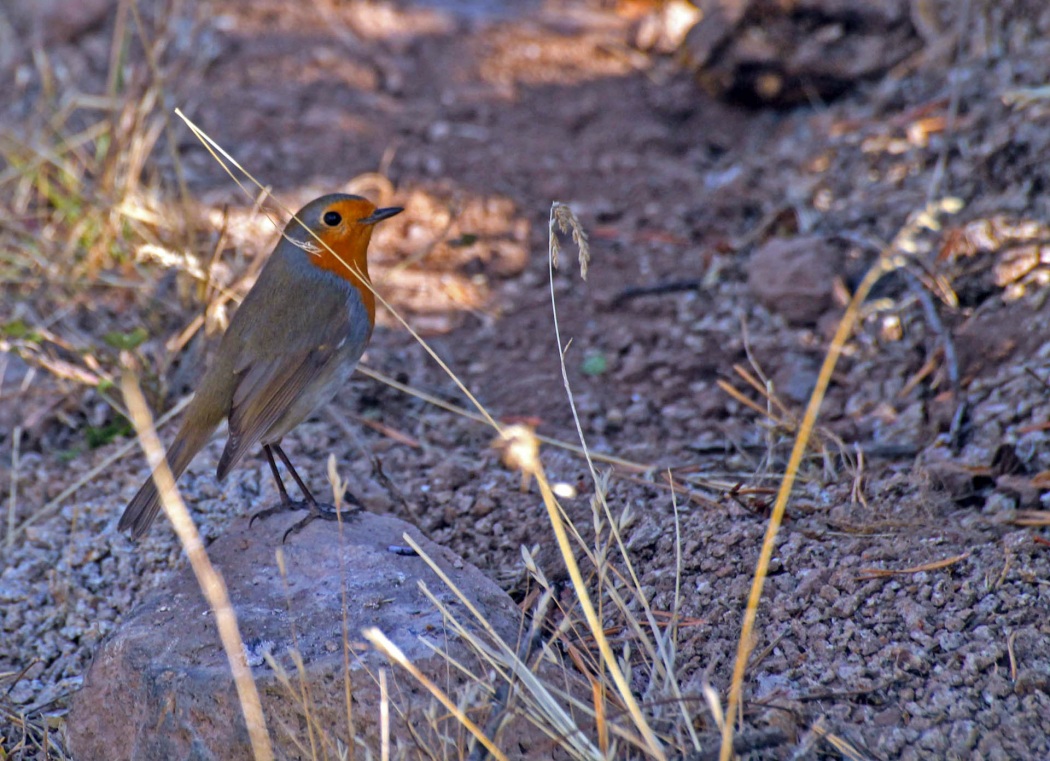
(268, 385)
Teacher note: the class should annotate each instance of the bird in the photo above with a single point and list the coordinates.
(289, 348)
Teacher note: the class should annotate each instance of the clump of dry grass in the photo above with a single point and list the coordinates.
(81, 197)
(81, 201)
(30, 734)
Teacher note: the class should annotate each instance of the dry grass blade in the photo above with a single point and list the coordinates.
(619, 462)
(384, 717)
(893, 257)
(393, 652)
(881, 573)
(733, 392)
(675, 621)
(561, 217)
(209, 580)
(843, 746)
(1011, 638)
(338, 490)
(16, 441)
(151, 51)
(763, 388)
(451, 585)
(313, 731)
(1034, 518)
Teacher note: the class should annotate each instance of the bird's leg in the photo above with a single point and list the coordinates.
(285, 499)
(348, 496)
(316, 509)
(308, 497)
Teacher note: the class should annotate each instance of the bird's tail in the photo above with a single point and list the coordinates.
(144, 506)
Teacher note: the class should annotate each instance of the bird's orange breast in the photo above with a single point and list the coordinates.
(347, 257)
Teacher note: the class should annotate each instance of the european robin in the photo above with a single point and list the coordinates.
(289, 348)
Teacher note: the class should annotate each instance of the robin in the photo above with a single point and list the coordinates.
(290, 347)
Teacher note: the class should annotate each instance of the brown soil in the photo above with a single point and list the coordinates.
(480, 119)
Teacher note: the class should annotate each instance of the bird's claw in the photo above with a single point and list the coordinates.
(315, 511)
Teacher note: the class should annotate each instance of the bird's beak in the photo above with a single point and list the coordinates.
(380, 214)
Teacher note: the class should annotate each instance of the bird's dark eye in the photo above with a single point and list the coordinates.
(332, 218)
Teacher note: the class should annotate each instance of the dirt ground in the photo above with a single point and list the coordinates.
(907, 604)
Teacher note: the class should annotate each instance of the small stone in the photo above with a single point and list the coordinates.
(795, 277)
(483, 505)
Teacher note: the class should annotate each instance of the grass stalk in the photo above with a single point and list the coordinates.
(394, 653)
(210, 580)
(893, 257)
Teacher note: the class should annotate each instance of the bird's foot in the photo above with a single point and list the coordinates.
(318, 511)
(315, 511)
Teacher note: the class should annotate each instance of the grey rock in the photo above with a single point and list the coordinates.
(160, 686)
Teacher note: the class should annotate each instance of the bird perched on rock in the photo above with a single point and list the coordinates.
(289, 348)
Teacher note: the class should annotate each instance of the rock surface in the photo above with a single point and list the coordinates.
(160, 686)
